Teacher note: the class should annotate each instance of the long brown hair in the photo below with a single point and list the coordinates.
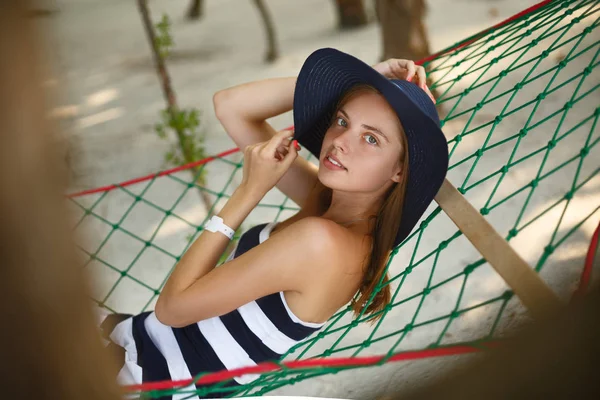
(384, 226)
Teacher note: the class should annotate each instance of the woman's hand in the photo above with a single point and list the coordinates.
(266, 162)
(395, 68)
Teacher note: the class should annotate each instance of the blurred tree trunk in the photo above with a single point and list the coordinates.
(196, 10)
(42, 8)
(402, 28)
(403, 33)
(272, 52)
(351, 13)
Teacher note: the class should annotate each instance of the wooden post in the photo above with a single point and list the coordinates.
(522, 279)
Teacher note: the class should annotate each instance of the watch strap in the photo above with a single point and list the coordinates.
(215, 224)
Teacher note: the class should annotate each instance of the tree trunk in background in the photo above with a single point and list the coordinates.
(272, 52)
(42, 8)
(196, 10)
(403, 33)
(351, 13)
(402, 28)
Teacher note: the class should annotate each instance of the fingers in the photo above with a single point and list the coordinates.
(422, 81)
(421, 77)
(411, 69)
(291, 155)
(280, 146)
(281, 151)
(384, 67)
(429, 94)
(280, 139)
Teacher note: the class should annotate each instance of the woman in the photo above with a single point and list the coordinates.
(382, 159)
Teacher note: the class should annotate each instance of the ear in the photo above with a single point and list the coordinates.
(397, 177)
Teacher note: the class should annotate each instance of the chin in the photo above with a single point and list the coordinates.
(334, 182)
(344, 183)
(327, 180)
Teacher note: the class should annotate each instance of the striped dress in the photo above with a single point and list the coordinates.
(256, 332)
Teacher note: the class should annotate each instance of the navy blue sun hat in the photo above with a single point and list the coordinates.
(327, 74)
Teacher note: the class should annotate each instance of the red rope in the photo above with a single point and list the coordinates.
(315, 363)
(586, 274)
(152, 176)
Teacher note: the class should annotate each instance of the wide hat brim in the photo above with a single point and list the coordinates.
(327, 74)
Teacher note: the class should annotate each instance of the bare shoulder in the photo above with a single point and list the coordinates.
(324, 247)
(328, 268)
(322, 236)
(315, 240)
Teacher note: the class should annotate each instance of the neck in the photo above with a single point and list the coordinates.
(347, 208)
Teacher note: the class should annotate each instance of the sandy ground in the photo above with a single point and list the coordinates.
(112, 100)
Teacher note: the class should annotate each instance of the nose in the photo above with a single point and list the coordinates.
(342, 141)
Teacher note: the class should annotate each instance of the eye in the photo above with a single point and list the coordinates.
(341, 121)
(374, 141)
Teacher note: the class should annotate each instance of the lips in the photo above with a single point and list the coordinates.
(335, 159)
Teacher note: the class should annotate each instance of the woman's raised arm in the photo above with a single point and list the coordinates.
(243, 111)
(255, 101)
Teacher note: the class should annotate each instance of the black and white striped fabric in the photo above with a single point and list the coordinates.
(256, 332)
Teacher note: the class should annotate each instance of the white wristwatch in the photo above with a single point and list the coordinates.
(215, 224)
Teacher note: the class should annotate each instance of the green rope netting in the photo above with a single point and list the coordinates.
(520, 111)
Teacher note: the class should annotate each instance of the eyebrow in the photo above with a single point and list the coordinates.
(369, 127)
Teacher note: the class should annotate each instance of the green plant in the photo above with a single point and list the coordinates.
(163, 39)
(190, 147)
(183, 122)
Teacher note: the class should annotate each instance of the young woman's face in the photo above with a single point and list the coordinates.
(365, 137)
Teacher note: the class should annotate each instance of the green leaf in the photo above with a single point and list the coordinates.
(199, 154)
(165, 116)
(160, 130)
(163, 39)
(194, 117)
